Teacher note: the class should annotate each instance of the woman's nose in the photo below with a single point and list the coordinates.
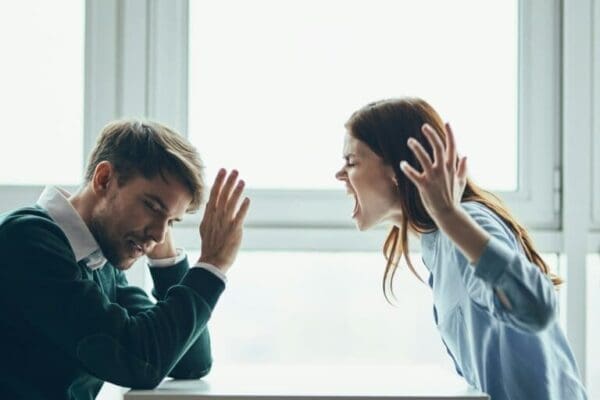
(340, 175)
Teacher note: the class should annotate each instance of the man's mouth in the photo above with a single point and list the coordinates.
(136, 248)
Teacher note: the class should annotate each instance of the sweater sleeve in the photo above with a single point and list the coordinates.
(45, 284)
(197, 360)
(504, 270)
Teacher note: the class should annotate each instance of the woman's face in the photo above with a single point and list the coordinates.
(371, 183)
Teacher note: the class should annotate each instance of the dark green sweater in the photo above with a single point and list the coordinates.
(65, 329)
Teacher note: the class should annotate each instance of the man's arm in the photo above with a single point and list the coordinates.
(197, 360)
(45, 286)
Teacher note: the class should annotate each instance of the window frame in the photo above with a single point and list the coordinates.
(136, 66)
(596, 126)
(132, 69)
(274, 212)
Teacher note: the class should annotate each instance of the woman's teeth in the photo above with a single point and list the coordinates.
(355, 211)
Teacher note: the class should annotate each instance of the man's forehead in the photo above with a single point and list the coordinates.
(171, 203)
(167, 191)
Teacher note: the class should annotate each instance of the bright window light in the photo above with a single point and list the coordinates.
(272, 82)
(325, 308)
(322, 308)
(41, 76)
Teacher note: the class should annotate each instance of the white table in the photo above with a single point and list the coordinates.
(257, 382)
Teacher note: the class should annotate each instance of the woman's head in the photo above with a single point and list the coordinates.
(377, 136)
(371, 182)
(384, 127)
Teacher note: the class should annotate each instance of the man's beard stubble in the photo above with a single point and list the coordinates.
(98, 228)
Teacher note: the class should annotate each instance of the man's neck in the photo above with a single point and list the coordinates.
(82, 201)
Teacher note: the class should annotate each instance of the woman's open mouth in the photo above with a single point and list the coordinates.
(356, 209)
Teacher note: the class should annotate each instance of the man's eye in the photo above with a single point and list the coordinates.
(151, 206)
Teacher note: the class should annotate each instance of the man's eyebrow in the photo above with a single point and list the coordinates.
(160, 204)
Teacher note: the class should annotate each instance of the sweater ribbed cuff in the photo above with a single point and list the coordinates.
(165, 277)
(206, 284)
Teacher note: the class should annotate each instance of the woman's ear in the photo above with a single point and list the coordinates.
(392, 175)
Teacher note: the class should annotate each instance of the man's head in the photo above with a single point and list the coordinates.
(144, 176)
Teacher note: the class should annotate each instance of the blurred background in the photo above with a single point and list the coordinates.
(265, 86)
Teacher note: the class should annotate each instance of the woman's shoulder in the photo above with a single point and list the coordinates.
(489, 220)
(481, 213)
(476, 208)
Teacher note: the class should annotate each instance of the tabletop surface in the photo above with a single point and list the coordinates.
(316, 382)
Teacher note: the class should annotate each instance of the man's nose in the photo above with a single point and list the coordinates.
(158, 231)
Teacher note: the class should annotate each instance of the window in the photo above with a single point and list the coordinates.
(325, 308)
(266, 89)
(596, 119)
(593, 325)
(271, 85)
(292, 307)
(42, 78)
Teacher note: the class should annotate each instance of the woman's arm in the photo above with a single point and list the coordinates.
(525, 293)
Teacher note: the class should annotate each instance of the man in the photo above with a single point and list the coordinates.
(68, 318)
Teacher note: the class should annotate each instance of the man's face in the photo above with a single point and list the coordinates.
(131, 219)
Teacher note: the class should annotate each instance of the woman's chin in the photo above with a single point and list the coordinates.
(362, 224)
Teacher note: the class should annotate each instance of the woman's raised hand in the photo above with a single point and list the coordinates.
(443, 179)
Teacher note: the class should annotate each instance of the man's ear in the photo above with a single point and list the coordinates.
(104, 174)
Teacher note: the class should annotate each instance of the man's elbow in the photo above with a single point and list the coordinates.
(147, 383)
(191, 373)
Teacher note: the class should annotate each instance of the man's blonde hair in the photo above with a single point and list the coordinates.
(148, 149)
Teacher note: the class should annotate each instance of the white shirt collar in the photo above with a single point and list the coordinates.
(56, 201)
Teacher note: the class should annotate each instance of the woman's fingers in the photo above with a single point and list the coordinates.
(421, 155)
(435, 142)
(450, 147)
(411, 173)
(461, 170)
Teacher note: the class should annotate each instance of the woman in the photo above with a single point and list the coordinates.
(494, 296)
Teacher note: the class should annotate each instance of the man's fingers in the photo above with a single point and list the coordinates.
(233, 200)
(242, 212)
(226, 189)
(216, 188)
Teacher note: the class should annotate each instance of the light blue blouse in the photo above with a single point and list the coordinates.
(511, 353)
